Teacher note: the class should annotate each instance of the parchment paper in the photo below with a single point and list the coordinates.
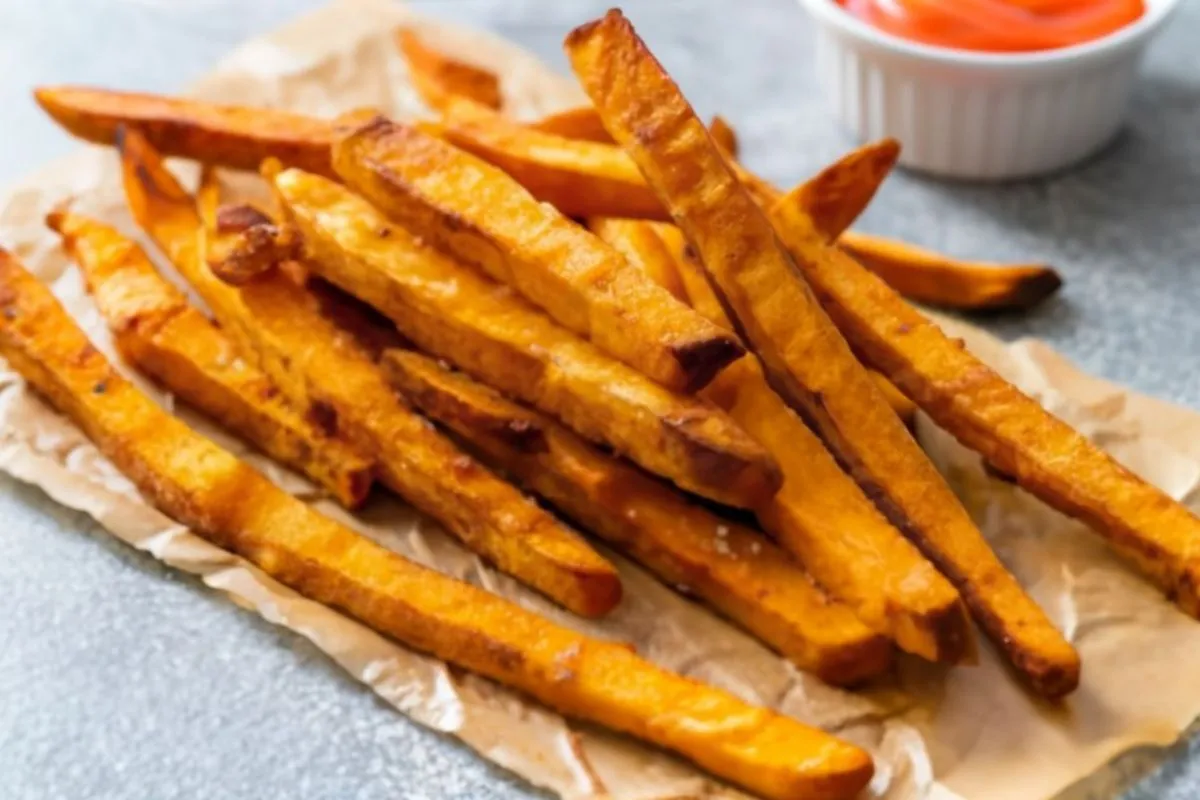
(967, 732)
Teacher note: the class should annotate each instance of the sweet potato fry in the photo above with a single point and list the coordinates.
(244, 242)
(455, 313)
(579, 122)
(938, 280)
(724, 136)
(581, 178)
(289, 333)
(158, 332)
(222, 499)
(641, 246)
(1013, 433)
(231, 136)
(905, 409)
(822, 517)
(838, 194)
(435, 74)
(482, 217)
(804, 356)
(736, 570)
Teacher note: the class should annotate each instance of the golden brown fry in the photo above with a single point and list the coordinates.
(640, 244)
(222, 499)
(455, 313)
(580, 178)
(724, 135)
(805, 357)
(233, 136)
(736, 570)
(823, 517)
(243, 243)
(929, 277)
(435, 74)
(838, 194)
(1010, 430)
(158, 332)
(905, 409)
(321, 368)
(579, 122)
(483, 218)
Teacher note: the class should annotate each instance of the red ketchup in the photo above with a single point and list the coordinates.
(998, 26)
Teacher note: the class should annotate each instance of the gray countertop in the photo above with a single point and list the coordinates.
(107, 659)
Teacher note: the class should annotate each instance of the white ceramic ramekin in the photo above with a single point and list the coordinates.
(979, 116)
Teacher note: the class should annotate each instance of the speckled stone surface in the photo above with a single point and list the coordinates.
(109, 662)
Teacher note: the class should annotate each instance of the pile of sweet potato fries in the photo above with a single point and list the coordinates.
(601, 308)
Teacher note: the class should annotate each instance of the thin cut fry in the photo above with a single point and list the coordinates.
(638, 241)
(482, 217)
(231, 136)
(455, 313)
(805, 357)
(435, 74)
(580, 178)
(580, 122)
(905, 409)
(321, 368)
(838, 194)
(991, 416)
(736, 570)
(222, 499)
(929, 277)
(823, 517)
(724, 135)
(158, 332)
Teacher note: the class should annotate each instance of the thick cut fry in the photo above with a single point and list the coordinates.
(640, 244)
(321, 368)
(435, 74)
(580, 122)
(929, 277)
(455, 313)
(222, 499)
(482, 217)
(822, 517)
(734, 569)
(838, 194)
(581, 178)
(231, 136)
(158, 332)
(804, 356)
(1013, 433)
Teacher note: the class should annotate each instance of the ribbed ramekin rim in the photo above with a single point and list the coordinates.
(1157, 12)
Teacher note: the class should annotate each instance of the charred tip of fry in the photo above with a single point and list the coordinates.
(240, 217)
(702, 360)
(359, 121)
(56, 217)
(1041, 282)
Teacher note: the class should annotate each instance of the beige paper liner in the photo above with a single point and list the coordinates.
(968, 732)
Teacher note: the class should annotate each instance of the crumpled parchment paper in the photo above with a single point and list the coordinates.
(969, 732)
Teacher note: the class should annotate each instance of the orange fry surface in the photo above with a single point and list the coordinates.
(804, 356)
(225, 501)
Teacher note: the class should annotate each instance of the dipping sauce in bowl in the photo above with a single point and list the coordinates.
(998, 26)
